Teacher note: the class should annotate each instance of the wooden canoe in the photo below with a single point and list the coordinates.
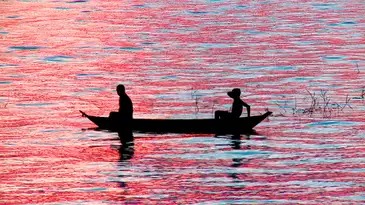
(221, 126)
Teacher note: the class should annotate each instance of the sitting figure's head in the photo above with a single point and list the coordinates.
(236, 92)
(120, 89)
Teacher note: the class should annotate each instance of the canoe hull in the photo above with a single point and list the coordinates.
(222, 126)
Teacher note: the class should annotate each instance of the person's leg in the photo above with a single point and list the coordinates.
(217, 114)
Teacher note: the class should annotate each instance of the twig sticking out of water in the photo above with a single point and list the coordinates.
(214, 102)
(282, 107)
(3, 105)
(196, 98)
(347, 103)
(314, 104)
(362, 93)
(326, 110)
(295, 106)
(196, 104)
(319, 103)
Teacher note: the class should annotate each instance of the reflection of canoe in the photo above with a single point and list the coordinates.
(223, 126)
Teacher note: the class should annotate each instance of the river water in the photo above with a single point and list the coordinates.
(303, 60)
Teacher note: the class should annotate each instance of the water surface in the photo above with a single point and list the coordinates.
(178, 60)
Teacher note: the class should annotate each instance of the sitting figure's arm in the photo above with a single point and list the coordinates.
(248, 108)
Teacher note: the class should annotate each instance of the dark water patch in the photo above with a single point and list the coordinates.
(215, 45)
(249, 201)
(185, 30)
(110, 48)
(299, 79)
(311, 161)
(242, 7)
(163, 96)
(218, 155)
(178, 30)
(284, 68)
(140, 6)
(278, 51)
(265, 2)
(308, 42)
(200, 13)
(346, 23)
(281, 68)
(13, 17)
(358, 198)
(52, 131)
(62, 8)
(57, 59)
(197, 12)
(8, 65)
(5, 82)
(88, 47)
(33, 105)
(324, 6)
(23, 48)
(170, 77)
(18, 76)
(4, 32)
(147, 43)
(77, 1)
(252, 32)
(86, 74)
(359, 170)
(95, 189)
(319, 146)
(333, 58)
(320, 130)
(329, 123)
(130, 49)
(95, 89)
(243, 76)
(312, 183)
(358, 97)
(214, 1)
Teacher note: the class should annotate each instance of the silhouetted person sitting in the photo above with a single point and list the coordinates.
(237, 106)
(125, 103)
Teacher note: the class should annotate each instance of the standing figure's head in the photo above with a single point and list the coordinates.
(120, 89)
(236, 92)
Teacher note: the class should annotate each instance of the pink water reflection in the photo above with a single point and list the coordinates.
(58, 57)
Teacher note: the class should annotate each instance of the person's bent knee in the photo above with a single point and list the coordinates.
(217, 114)
(220, 114)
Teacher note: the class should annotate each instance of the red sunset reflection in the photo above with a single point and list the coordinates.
(178, 60)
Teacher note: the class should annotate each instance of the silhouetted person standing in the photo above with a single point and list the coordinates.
(237, 106)
(125, 103)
